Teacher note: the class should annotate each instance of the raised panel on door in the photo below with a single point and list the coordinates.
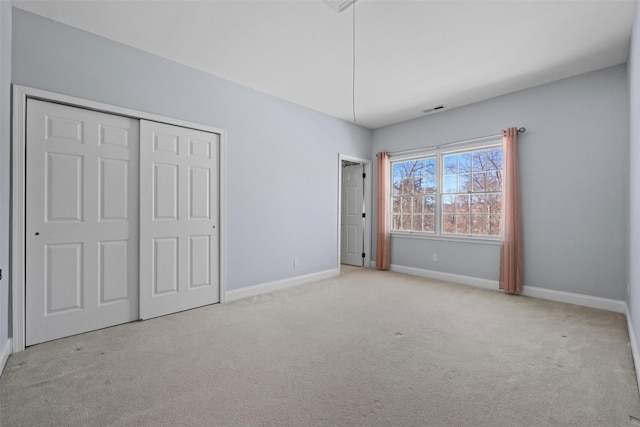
(114, 264)
(63, 278)
(164, 260)
(199, 261)
(114, 189)
(179, 243)
(165, 192)
(354, 241)
(63, 187)
(81, 221)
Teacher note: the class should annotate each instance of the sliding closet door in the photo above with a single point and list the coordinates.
(81, 221)
(179, 240)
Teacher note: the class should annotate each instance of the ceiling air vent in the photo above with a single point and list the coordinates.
(339, 5)
(434, 109)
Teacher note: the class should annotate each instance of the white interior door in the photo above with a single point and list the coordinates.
(179, 243)
(81, 221)
(352, 222)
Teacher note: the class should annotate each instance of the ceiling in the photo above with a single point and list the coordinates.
(409, 55)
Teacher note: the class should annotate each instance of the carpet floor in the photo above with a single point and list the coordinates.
(367, 348)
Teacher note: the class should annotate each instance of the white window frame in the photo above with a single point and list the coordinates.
(439, 153)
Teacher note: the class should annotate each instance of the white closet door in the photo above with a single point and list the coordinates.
(81, 221)
(352, 222)
(179, 248)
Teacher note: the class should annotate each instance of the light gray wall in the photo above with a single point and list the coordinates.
(634, 142)
(5, 154)
(282, 159)
(574, 180)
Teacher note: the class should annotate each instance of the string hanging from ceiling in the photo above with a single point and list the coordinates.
(353, 67)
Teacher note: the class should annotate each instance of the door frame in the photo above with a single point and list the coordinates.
(367, 206)
(18, 188)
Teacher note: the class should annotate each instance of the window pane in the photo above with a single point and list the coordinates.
(413, 167)
(406, 205)
(494, 181)
(430, 205)
(450, 164)
(416, 223)
(405, 169)
(430, 166)
(397, 171)
(406, 223)
(462, 224)
(494, 158)
(395, 225)
(464, 162)
(450, 184)
(397, 187)
(494, 203)
(478, 225)
(478, 181)
(478, 204)
(418, 185)
(396, 205)
(479, 160)
(494, 225)
(407, 186)
(430, 183)
(448, 204)
(448, 223)
(417, 204)
(429, 223)
(464, 183)
(462, 204)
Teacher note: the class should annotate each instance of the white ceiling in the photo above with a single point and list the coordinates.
(410, 55)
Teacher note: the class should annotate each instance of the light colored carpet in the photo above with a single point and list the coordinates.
(367, 348)
(346, 268)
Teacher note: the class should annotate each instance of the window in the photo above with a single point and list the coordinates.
(450, 193)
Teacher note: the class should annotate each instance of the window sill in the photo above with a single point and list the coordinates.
(421, 236)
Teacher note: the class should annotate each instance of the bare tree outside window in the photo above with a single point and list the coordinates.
(471, 194)
(469, 198)
(414, 195)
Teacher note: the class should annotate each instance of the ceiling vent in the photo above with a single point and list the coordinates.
(434, 109)
(339, 5)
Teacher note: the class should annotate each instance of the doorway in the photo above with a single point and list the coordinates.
(354, 207)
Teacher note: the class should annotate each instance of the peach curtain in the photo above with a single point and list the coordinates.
(511, 242)
(383, 238)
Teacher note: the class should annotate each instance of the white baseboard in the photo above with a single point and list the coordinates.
(448, 277)
(577, 299)
(264, 288)
(633, 343)
(530, 291)
(4, 354)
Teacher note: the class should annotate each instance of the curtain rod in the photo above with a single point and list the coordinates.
(466, 141)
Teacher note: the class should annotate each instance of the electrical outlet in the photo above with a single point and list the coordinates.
(435, 258)
(296, 262)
